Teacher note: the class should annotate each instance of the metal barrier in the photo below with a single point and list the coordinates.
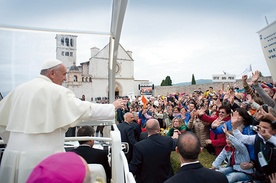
(119, 164)
(120, 171)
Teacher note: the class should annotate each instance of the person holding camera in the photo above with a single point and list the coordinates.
(235, 153)
(244, 127)
(264, 143)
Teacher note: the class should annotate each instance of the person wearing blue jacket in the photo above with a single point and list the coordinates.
(236, 153)
(244, 127)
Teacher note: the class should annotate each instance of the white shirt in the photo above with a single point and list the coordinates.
(183, 164)
(250, 139)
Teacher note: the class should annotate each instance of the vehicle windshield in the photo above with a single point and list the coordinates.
(28, 32)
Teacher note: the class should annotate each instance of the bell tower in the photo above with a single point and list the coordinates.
(66, 48)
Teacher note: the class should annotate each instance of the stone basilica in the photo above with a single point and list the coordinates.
(90, 78)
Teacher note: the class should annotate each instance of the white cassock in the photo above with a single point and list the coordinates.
(33, 122)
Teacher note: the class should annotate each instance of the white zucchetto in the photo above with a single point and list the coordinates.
(50, 63)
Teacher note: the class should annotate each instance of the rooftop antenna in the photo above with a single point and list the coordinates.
(266, 21)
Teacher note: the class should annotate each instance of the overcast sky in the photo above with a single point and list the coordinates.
(175, 38)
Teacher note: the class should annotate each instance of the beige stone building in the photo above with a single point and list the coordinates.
(90, 78)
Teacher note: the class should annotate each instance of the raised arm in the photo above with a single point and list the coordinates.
(247, 88)
(246, 139)
(266, 98)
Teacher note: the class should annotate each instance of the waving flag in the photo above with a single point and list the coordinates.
(144, 100)
(247, 70)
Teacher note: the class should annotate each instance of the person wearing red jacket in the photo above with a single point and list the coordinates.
(223, 113)
(215, 144)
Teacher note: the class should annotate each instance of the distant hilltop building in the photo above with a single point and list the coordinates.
(91, 77)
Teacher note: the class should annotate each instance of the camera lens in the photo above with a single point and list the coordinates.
(265, 108)
(255, 128)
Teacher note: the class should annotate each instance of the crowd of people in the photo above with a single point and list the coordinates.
(236, 124)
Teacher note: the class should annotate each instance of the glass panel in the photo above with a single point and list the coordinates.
(23, 52)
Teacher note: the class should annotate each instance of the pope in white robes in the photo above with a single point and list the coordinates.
(35, 117)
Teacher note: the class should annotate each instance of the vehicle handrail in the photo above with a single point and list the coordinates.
(97, 122)
(2, 142)
(120, 170)
(127, 174)
(107, 139)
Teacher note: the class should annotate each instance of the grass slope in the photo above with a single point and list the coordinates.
(205, 159)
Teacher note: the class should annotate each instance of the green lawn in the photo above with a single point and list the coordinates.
(205, 159)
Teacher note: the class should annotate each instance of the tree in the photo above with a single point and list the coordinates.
(163, 83)
(193, 80)
(167, 81)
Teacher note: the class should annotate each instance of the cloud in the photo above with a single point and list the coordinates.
(168, 38)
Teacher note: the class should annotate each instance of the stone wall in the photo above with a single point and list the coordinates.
(164, 90)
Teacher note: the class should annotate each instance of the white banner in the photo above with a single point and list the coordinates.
(268, 42)
(224, 78)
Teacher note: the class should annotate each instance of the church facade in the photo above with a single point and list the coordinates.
(90, 78)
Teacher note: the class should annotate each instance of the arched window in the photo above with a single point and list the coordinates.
(62, 41)
(75, 78)
(71, 42)
(90, 79)
(67, 41)
(82, 79)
